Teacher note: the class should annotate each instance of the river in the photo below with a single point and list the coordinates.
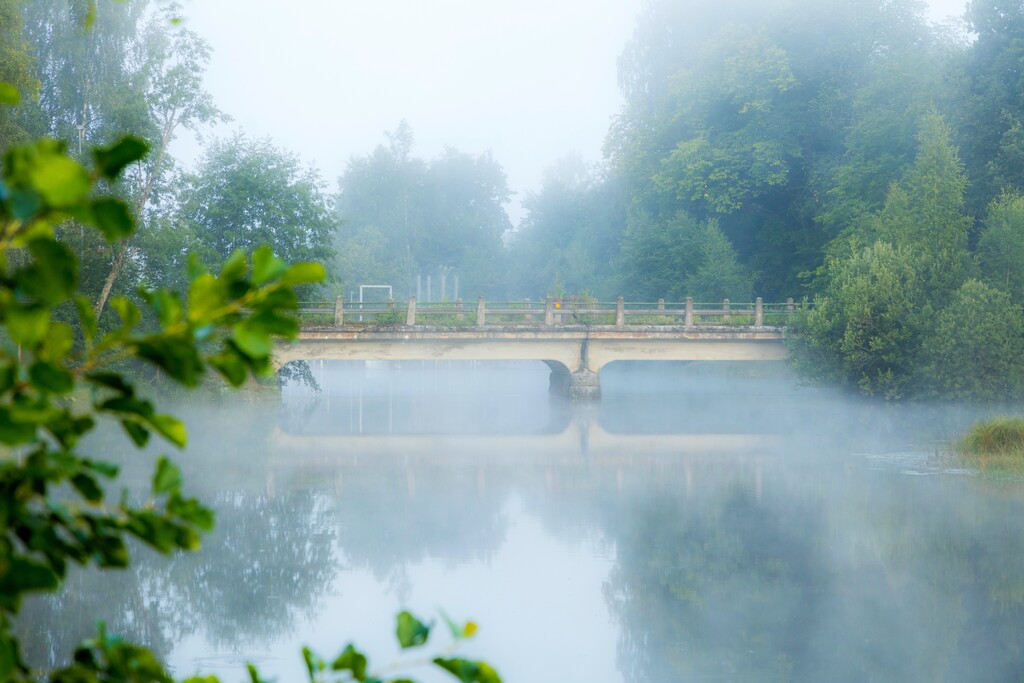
(702, 522)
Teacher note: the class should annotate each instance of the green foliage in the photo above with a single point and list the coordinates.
(864, 330)
(975, 347)
(403, 216)
(247, 193)
(1001, 245)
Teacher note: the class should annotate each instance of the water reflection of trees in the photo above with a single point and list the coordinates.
(851, 577)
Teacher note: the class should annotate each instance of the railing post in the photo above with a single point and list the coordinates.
(661, 304)
(758, 312)
(480, 313)
(459, 305)
(410, 313)
(790, 307)
(725, 307)
(549, 312)
(620, 312)
(688, 320)
(338, 311)
(529, 312)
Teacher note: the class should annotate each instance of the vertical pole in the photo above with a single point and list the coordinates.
(429, 293)
(688, 320)
(789, 305)
(725, 307)
(338, 311)
(480, 312)
(459, 305)
(549, 312)
(444, 282)
(419, 286)
(529, 311)
(661, 304)
(410, 314)
(758, 312)
(620, 312)
(455, 287)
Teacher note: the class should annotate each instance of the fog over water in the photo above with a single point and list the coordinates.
(701, 522)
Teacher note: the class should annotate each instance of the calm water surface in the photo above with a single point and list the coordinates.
(704, 522)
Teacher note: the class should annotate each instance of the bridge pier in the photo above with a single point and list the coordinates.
(582, 385)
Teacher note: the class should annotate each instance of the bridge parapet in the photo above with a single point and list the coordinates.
(553, 312)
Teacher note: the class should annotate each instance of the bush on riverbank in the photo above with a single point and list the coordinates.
(995, 445)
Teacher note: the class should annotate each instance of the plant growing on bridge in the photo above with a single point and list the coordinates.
(57, 382)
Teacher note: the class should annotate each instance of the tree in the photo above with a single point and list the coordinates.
(1001, 245)
(447, 213)
(719, 274)
(991, 116)
(571, 231)
(16, 73)
(108, 68)
(865, 330)
(247, 193)
(975, 349)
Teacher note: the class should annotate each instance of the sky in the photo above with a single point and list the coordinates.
(531, 81)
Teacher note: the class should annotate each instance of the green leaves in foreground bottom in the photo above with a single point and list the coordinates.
(411, 632)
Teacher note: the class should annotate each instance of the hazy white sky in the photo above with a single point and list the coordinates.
(531, 80)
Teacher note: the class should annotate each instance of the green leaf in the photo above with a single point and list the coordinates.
(468, 671)
(171, 428)
(27, 324)
(136, 432)
(167, 306)
(254, 343)
(13, 431)
(205, 295)
(50, 378)
(88, 487)
(110, 161)
(231, 367)
(111, 380)
(59, 180)
(87, 318)
(351, 660)
(266, 266)
(175, 355)
(128, 311)
(234, 268)
(59, 341)
(411, 631)
(21, 575)
(167, 478)
(9, 94)
(52, 277)
(303, 274)
(113, 218)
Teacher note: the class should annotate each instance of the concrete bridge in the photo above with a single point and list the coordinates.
(575, 340)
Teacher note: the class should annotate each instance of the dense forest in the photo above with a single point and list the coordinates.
(844, 152)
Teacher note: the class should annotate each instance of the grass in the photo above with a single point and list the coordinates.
(994, 446)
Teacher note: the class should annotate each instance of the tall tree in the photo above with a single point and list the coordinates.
(1001, 246)
(248, 192)
(16, 72)
(446, 213)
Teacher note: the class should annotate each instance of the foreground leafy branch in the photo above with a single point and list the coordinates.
(59, 378)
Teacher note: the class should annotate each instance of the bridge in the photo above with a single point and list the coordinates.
(575, 338)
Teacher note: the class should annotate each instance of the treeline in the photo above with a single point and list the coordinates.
(843, 151)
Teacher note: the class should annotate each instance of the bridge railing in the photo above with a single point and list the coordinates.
(550, 312)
